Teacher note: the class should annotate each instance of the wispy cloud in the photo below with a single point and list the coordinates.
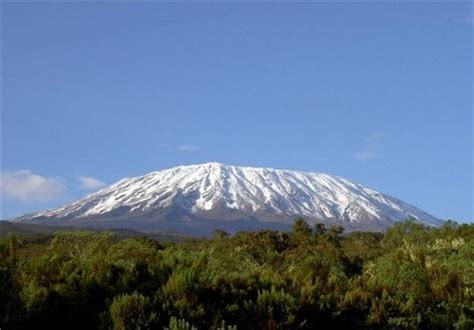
(25, 186)
(90, 183)
(365, 155)
(371, 148)
(186, 148)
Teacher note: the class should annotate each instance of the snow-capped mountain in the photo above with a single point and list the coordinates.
(212, 195)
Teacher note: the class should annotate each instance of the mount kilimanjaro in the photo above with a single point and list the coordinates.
(200, 198)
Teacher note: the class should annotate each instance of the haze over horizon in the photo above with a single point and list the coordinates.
(376, 93)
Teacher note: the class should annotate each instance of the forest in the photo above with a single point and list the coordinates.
(312, 277)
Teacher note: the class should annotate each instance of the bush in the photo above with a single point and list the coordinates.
(130, 312)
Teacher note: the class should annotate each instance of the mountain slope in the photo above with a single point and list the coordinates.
(222, 195)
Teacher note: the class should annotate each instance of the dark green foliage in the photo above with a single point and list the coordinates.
(408, 277)
(220, 234)
(131, 311)
(301, 227)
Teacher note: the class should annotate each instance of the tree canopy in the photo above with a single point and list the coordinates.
(410, 276)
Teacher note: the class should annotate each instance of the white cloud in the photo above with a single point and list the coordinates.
(90, 183)
(365, 155)
(371, 148)
(187, 148)
(25, 186)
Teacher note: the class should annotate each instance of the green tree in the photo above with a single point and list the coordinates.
(131, 311)
(301, 228)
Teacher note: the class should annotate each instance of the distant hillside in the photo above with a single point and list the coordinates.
(26, 229)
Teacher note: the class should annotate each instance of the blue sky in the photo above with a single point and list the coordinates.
(377, 93)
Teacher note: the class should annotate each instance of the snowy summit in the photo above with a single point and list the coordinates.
(212, 195)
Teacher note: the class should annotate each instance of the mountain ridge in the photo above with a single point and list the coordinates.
(214, 192)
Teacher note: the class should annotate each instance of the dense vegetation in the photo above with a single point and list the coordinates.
(408, 277)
